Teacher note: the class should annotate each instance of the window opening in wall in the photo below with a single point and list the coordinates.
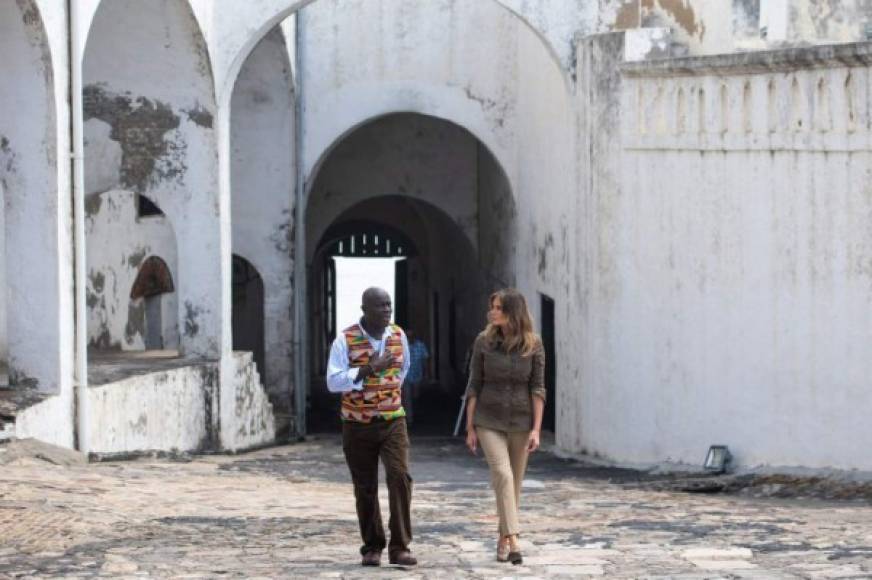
(153, 284)
(146, 208)
(548, 342)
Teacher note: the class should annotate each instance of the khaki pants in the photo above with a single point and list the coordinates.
(506, 455)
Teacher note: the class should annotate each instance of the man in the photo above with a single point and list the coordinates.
(368, 363)
(418, 355)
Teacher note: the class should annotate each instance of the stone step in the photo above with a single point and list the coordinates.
(12, 402)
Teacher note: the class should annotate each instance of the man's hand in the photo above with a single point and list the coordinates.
(379, 363)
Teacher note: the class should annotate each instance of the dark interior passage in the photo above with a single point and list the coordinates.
(248, 314)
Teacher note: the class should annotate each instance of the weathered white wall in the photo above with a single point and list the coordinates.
(31, 117)
(472, 63)
(118, 244)
(730, 284)
(167, 410)
(4, 348)
(50, 420)
(159, 111)
(253, 422)
(262, 132)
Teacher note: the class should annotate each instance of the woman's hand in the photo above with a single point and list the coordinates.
(533, 441)
(471, 439)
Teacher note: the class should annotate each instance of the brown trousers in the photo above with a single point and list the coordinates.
(364, 444)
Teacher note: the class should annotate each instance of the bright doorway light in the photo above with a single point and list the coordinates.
(353, 276)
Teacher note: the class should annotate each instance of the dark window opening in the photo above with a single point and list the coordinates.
(147, 208)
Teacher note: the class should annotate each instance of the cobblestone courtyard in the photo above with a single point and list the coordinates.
(288, 512)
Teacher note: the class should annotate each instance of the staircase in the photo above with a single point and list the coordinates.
(12, 402)
(254, 421)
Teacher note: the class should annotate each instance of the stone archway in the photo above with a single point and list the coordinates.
(436, 184)
(146, 133)
(261, 202)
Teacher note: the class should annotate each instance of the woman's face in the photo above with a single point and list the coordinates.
(495, 315)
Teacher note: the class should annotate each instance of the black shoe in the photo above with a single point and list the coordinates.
(371, 559)
(516, 558)
(403, 558)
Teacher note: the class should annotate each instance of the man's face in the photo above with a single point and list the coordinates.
(377, 309)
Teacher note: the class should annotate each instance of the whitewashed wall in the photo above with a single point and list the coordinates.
(731, 287)
(168, 410)
(118, 244)
(4, 347)
(36, 196)
(157, 113)
(262, 131)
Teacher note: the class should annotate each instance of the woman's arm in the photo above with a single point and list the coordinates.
(471, 435)
(538, 393)
(538, 411)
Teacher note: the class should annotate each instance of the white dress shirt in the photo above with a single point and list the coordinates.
(341, 377)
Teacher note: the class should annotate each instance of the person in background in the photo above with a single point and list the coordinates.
(418, 355)
(368, 362)
(505, 401)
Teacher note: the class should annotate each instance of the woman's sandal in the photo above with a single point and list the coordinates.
(514, 553)
(503, 549)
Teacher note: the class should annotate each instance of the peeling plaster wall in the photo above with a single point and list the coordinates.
(170, 410)
(149, 107)
(253, 422)
(118, 244)
(731, 283)
(262, 176)
(702, 26)
(829, 21)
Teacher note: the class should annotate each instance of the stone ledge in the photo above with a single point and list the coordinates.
(857, 54)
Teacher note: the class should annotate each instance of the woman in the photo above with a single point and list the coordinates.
(505, 400)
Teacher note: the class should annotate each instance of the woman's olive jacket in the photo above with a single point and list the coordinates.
(504, 385)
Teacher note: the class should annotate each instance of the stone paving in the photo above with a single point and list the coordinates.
(287, 512)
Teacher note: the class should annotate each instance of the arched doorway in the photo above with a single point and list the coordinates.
(153, 290)
(131, 294)
(248, 323)
(434, 185)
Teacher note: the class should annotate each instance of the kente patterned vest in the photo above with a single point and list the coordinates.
(380, 396)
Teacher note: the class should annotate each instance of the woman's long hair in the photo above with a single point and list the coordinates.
(517, 335)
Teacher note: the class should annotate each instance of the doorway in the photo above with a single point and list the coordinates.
(248, 319)
(547, 313)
